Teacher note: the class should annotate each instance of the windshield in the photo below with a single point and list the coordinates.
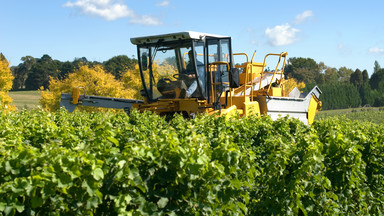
(173, 70)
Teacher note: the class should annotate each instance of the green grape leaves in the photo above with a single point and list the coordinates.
(143, 164)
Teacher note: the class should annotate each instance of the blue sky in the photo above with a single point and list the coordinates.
(338, 33)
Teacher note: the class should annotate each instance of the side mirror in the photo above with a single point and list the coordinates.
(234, 79)
(144, 61)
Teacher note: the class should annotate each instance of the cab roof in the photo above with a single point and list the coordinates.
(172, 37)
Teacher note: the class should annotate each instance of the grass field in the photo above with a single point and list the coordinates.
(25, 99)
(370, 114)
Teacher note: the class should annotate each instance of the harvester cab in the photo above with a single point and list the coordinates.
(192, 73)
(186, 68)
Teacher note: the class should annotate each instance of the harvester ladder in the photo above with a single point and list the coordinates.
(213, 68)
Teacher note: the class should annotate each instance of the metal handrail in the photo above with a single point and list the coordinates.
(245, 56)
(283, 54)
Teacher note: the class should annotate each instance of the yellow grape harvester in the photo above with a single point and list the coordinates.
(192, 73)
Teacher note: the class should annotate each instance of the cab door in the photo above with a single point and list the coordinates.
(218, 58)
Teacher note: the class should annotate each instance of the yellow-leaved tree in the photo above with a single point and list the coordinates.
(164, 69)
(95, 81)
(6, 79)
(291, 83)
(131, 80)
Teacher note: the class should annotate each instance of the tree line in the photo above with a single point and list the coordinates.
(34, 73)
(342, 87)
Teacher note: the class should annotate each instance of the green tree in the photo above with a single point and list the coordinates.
(79, 62)
(367, 95)
(41, 71)
(338, 95)
(376, 67)
(344, 74)
(119, 64)
(65, 69)
(302, 69)
(21, 72)
(304, 75)
(320, 78)
(379, 101)
(376, 78)
(322, 67)
(365, 76)
(331, 75)
(357, 78)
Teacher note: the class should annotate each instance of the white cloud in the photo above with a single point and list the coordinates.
(285, 34)
(146, 20)
(281, 35)
(376, 50)
(111, 10)
(163, 3)
(300, 18)
(107, 9)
